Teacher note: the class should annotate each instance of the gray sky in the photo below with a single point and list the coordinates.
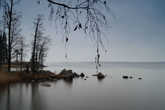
(137, 33)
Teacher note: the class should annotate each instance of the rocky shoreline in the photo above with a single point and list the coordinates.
(43, 76)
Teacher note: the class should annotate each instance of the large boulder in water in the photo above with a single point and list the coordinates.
(67, 74)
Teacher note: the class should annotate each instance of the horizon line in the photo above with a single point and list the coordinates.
(109, 61)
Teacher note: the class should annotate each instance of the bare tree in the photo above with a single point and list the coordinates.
(39, 43)
(20, 53)
(43, 49)
(11, 19)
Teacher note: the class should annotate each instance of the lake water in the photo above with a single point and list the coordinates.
(111, 93)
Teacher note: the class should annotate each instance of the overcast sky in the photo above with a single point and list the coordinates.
(136, 34)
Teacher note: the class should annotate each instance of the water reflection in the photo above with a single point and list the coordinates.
(36, 99)
(21, 97)
(68, 82)
(5, 98)
(8, 98)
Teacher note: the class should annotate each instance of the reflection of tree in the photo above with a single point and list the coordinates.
(20, 95)
(8, 98)
(5, 94)
(36, 100)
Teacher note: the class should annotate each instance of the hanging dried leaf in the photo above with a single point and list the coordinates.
(105, 2)
(66, 39)
(75, 28)
(62, 17)
(104, 17)
(38, 2)
(80, 26)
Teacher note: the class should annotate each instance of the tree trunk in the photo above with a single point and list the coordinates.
(33, 65)
(9, 37)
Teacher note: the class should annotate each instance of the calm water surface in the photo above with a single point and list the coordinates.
(112, 93)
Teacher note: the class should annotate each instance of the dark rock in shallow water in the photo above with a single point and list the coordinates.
(125, 77)
(140, 78)
(82, 75)
(67, 74)
(99, 75)
(76, 75)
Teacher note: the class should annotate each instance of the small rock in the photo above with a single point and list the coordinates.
(82, 75)
(125, 77)
(100, 75)
(140, 78)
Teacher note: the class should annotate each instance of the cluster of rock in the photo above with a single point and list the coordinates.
(68, 75)
(129, 77)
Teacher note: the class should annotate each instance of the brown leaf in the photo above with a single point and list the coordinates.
(75, 28)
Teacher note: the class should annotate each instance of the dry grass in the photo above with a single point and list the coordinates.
(13, 77)
(6, 77)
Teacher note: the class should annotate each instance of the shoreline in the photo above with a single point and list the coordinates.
(15, 77)
(40, 76)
